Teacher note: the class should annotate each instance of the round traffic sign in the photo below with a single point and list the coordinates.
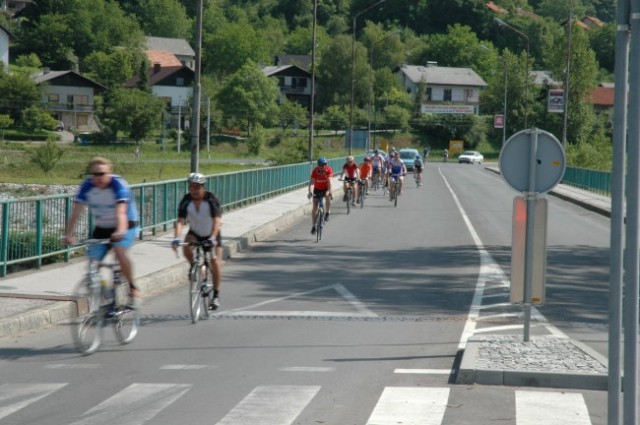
(516, 159)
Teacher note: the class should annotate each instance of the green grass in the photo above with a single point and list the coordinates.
(156, 164)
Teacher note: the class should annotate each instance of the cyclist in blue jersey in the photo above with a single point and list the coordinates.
(115, 216)
(397, 170)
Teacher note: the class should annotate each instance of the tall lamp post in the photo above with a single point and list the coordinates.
(197, 94)
(502, 23)
(313, 80)
(353, 70)
(565, 91)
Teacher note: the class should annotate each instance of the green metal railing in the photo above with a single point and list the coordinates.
(32, 228)
(592, 180)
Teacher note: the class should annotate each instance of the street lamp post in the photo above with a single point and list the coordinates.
(353, 70)
(565, 92)
(502, 23)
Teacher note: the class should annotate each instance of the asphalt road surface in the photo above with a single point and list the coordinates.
(365, 327)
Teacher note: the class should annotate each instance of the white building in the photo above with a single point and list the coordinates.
(444, 90)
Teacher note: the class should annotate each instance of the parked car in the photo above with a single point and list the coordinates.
(408, 156)
(471, 157)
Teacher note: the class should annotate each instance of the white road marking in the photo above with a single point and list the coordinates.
(358, 306)
(73, 366)
(14, 397)
(410, 406)
(489, 271)
(306, 369)
(551, 408)
(276, 313)
(186, 367)
(271, 405)
(425, 371)
(135, 405)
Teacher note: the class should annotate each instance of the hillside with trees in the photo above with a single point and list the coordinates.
(104, 40)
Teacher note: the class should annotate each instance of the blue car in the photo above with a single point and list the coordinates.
(408, 156)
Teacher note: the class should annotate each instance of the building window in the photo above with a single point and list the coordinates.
(428, 94)
(447, 95)
(53, 97)
(179, 81)
(299, 82)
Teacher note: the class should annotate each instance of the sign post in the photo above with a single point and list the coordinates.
(531, 162)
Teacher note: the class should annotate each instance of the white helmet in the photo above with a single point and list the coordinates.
(197, 178)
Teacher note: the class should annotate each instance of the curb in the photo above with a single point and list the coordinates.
(470, 372)
(59, 311)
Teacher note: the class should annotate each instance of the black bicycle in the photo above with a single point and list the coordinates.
(101, 302)
(200, 286)
(362, 183)
(320, 218)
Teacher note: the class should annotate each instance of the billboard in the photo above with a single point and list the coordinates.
(555, 100)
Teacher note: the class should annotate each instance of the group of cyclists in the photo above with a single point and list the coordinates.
(387, 169)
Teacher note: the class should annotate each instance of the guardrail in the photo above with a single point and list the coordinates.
(32, 228)
(592, 180)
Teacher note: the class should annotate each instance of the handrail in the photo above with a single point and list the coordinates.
(32, 227)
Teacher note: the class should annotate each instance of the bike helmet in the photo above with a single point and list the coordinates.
(367, 159)
(376, 151)
(350, 158)
(417, 156)
(196, 178)
(322, 160)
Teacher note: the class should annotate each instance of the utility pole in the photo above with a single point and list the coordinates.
(197, 94)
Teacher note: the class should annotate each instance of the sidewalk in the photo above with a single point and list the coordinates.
(37, 299)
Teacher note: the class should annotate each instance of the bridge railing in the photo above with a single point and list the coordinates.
(592, 180)
(32, 228)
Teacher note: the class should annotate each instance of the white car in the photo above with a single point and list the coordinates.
(471, 157)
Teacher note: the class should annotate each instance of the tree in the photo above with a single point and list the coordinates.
(335, 118)
(292, 114)
(395, 117)
(36, 118)
(249, 96)
(47, 155)
(114, 68)
(230, 46)
(582, 79)
(18, 93)
(134, 112)
(334, 75)
(166, 18)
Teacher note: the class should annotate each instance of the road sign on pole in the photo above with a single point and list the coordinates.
(518, 246)
(532, 162)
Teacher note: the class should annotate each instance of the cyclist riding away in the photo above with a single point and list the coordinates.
(320, 183)
(417, 169)
(366, 172)
(351, 174)
(445, 155)
(201, 210)
(115, 217)
(397, 170)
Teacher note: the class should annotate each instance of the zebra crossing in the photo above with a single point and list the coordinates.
(140, 403)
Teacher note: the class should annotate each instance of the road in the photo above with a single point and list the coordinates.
(365, 327)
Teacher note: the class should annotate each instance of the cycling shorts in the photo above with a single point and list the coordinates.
(319, 194)
(204, 238)
(418, 168)
(98, 252)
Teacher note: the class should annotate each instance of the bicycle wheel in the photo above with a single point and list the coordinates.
(206, 292)
(319, 224)
(363, 194)
(396, 192)
(195, 304)
(349, 198)
(126, 321)
(86, 329)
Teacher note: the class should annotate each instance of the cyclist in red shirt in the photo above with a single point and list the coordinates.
(351, 174)
(320, 182)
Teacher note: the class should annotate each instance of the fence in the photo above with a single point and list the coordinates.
(32, 228)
